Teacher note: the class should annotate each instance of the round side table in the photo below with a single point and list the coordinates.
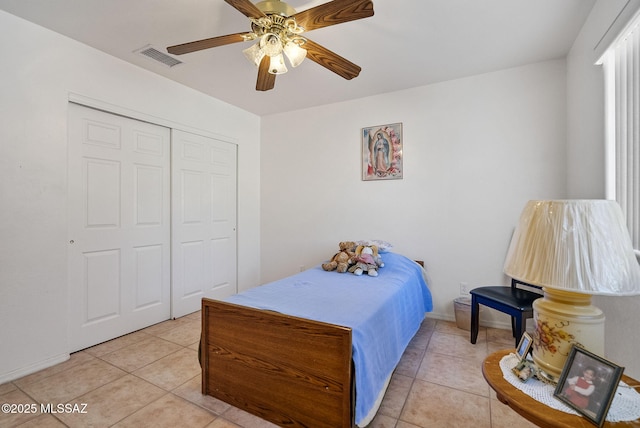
(533, 410)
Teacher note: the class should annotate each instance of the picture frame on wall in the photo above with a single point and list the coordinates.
(588, 384)
(382, 152)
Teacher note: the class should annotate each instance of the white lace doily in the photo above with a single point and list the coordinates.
(625, 406)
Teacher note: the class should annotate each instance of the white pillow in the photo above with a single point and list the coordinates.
(383, 246)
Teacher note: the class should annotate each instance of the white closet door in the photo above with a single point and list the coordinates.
(203, 220)
(119, 225)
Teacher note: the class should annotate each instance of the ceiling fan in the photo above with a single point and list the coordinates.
(277, 28)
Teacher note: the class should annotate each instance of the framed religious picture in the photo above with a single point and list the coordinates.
(588, 383)
(382, 152)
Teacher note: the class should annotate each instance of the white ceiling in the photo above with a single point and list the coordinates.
(407, 43)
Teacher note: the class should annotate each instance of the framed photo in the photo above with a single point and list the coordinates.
(524, 346)
(382, 152)
(524, 370)
(588, 383)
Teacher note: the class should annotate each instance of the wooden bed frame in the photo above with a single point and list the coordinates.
(291, 371)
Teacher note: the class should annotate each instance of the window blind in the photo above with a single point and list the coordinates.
(622, 83)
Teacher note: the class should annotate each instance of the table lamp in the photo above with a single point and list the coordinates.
(573, 249)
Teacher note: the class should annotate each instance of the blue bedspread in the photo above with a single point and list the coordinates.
(384, 313)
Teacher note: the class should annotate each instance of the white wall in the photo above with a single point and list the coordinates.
(40, 69)
(475, 150)
(585, 145)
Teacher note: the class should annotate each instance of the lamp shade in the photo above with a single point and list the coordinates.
(276, 65)
(254, 54)
(573, 249)
(581, 246)
(295, 53)
(271, 44)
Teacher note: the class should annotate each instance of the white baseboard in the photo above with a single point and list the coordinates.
(40, 365)
(483, 322)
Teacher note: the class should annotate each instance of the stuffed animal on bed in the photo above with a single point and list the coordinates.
(367, 260)
(341, 261)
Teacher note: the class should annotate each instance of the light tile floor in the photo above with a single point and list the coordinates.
(152, 378)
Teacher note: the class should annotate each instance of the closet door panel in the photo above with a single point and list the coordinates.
(204, 220)
(119, 225)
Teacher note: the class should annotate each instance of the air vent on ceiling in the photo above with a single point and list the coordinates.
(156, 55)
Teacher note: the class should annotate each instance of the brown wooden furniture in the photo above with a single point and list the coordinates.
(291, 371)
(533, 410)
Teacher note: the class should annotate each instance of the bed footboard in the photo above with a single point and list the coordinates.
(291, 371)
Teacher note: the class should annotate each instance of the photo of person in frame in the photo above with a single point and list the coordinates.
(580, 388)
(588, 384)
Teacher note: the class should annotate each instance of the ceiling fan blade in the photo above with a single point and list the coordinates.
(331, 60)
(334, 12)
(247, 8)
(207, 43)
(266, 80)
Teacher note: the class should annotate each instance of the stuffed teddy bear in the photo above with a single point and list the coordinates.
(366, 260)
(341, 261)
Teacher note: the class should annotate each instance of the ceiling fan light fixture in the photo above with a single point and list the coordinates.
(254, 54)
(295, 53)
(277, 66)
(277, 29)
(271, 44)
(275, 7)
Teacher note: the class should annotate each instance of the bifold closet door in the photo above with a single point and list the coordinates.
(119, 225)
(203, 233)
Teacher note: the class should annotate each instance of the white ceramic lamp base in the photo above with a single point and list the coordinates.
(562, 319)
